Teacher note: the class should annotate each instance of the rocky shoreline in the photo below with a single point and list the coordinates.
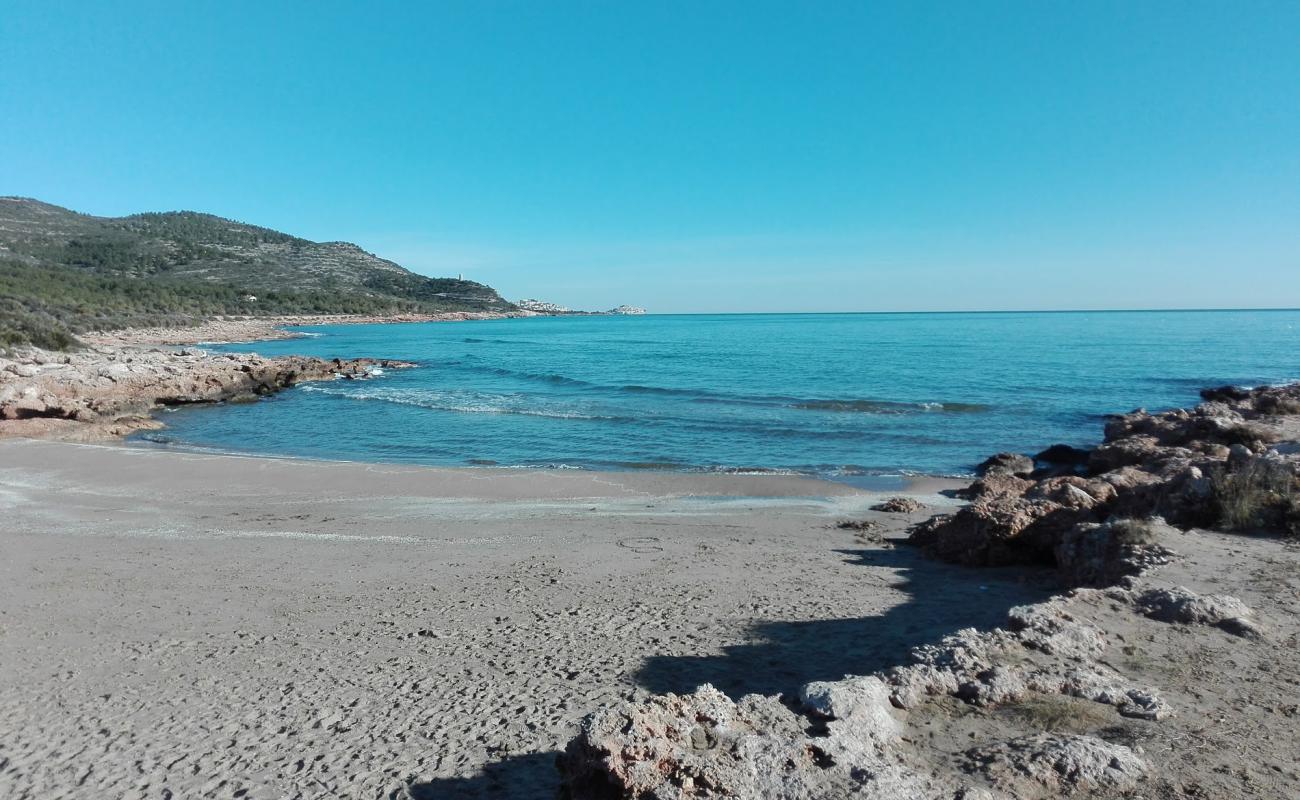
(230, 330)
(110, 388)
(104, 392)
(1060, 700)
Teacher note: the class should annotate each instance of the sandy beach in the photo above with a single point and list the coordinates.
(176, 625)
(211, 625)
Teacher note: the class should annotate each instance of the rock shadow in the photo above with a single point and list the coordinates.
(782, 656)
(524, 777)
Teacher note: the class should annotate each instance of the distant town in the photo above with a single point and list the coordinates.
(543, 307)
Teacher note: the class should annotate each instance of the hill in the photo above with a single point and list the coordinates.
(62, 272)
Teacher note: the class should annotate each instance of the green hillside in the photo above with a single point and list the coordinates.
(62, 273)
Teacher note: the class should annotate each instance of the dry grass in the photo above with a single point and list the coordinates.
(1060, 714)
(1135, 532)
(1281, 405)
(1258, 495)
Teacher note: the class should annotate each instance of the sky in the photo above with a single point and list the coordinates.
(697, 156)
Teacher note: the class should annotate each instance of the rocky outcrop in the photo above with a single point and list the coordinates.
(110, 391)
(848, 738)
(1195, 467)
(839, 743)
(1043, 649)
(1092, 514)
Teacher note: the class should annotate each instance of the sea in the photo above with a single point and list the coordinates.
(849, 397)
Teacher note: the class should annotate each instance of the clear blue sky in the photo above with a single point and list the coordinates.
(697, 156)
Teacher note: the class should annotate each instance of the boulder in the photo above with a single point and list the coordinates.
(1001, 526)
(1006, 464)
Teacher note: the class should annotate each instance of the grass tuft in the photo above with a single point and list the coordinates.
(1260, 494)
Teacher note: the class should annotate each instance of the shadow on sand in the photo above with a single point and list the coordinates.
(526, 777)
(782, 656)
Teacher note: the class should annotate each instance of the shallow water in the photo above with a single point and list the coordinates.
(837, 395)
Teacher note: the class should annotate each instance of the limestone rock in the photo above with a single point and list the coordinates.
(1050, 765)
(114, 386)
(1181, 605)
(703, 745)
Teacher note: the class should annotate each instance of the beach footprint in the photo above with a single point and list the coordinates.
(641, 544)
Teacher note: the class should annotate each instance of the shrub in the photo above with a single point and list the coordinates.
(1279, 404)
(1259, 494)
(1136, 532)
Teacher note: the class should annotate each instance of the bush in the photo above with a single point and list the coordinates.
(1260, 494)
(1281, 405)
(1136, 532)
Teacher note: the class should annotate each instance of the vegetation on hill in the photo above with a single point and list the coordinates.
(62, 273)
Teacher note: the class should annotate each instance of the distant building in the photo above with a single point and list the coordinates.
(628, 310)
(541, 307)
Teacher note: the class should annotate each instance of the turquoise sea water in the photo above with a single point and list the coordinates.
(836, 395)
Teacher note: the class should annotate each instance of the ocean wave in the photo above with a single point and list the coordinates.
(858, 406)
(712, 396)
(542, 377)
(888, 407)
(662, 466)
(722, 469)
(472, 405)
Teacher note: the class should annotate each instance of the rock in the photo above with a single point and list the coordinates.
(25, 406)
(1239, 455)
(1006, 464)
(1064, 455)
(899, 505)
(997, 685)
(1050, 765)
(1127, 452)
(704, 745)
(1005, 524)
(1181, 605)
(913, 685)
(1073, 492)
(859, 705)
(1048, 628)
(1225, 394)
(1091, 554)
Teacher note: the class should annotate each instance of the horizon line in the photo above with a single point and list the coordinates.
(951, 311)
